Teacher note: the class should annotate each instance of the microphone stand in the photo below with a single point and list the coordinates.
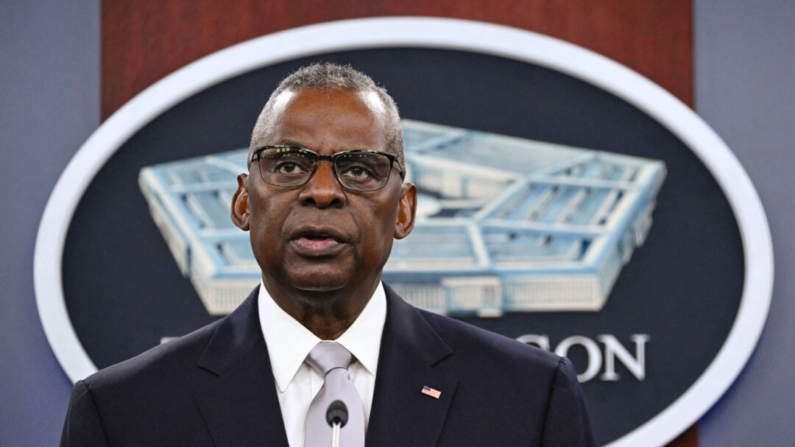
(335, 434)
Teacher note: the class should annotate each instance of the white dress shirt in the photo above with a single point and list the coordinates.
(289, 343)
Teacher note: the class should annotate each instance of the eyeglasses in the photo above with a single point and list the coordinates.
(358, 170)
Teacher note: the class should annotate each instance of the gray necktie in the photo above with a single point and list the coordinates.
(331, 360)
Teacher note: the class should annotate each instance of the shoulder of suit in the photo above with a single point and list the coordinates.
(472, 343)
(173, 358)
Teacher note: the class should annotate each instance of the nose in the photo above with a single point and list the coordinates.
(323, 190)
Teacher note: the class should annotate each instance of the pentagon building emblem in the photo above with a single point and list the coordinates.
(504, 224)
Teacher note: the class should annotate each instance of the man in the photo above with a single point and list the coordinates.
(323, 199)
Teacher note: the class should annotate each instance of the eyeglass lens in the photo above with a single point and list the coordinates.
(360, 171)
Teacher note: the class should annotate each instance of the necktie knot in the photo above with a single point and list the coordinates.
(327, 356)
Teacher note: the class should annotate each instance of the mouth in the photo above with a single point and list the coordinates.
(318, 242)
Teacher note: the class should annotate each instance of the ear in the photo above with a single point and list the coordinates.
(407, 210)
(240, 215)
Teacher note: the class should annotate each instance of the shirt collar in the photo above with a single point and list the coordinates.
(363, 338)
(289, 342)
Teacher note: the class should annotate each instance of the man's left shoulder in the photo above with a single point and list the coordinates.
(524, 395)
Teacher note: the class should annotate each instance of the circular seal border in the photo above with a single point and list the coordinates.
(439, 33)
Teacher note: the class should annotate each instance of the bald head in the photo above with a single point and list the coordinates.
(330, 77)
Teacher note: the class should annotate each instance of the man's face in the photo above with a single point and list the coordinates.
(321, 237)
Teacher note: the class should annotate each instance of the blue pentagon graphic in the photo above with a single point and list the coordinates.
(504, 224)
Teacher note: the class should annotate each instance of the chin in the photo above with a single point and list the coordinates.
(320, 274)
(319, 287)
(314, 281)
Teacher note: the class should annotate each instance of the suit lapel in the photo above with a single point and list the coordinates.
(240, 405)
(401, 414)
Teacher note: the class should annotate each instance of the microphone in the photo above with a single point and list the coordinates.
(337, 417)
(337, 413)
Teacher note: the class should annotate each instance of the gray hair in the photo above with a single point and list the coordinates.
(333, 76)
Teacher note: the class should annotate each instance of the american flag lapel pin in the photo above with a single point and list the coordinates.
(431, 392)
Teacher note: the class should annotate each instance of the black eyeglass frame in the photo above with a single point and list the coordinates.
(255, 156)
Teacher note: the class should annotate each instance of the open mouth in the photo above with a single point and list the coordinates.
(318, 242)
(319, 237)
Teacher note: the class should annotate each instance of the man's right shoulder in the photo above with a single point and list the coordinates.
(170, 360)
(146, 400)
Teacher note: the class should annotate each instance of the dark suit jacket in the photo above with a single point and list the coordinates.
(214, 387)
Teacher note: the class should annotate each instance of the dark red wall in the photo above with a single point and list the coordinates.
(144, 40)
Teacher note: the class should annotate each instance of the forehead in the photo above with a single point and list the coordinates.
(326, 120)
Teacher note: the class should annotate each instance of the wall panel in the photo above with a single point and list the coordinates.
(144, 40)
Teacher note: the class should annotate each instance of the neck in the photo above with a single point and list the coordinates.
(327, 314)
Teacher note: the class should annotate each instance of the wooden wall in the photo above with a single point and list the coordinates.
(144, 40)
